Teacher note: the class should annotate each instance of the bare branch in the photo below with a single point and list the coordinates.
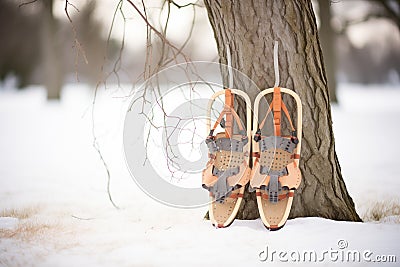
(164, 32)
(69, 3)
(27, 3)
(82, 219)
(97, 148)
(79, 48)
(165, 59)
(189, 35)
(118, 61)
(147, 72)
(158, 33)
(186, 5)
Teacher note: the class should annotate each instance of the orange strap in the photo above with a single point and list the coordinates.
(276, 108)
(232, 112)
(265, 117)
(236, 195)
(295, 156)
(233, 195)
(280, 197)
(229, 116)
(277, 105)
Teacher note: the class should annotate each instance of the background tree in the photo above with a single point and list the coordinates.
(356, 64)
(37, 45)
(53, 72)
(19, 58)
(377, 59)
(250, 29)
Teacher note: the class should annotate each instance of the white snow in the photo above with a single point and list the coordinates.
(8, 223)
(54, 209)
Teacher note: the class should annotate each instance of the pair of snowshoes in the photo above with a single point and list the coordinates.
(275, 173)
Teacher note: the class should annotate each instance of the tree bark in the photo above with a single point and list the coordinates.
(250, 29)
(327, 38)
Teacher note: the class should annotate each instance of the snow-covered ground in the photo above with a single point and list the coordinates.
(54, 208)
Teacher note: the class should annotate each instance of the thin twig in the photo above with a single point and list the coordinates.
(146, 72)
(186, 5)
(97, 148)
(79, 48)
(83, 219)
(158, 33)
(27, 3)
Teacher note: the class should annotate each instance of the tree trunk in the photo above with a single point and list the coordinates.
(327, 38)
(250, 29)
(53, 75)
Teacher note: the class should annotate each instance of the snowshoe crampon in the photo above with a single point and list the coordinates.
(276, 173)
(227, 171)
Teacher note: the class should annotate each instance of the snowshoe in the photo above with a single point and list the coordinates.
(276, 173)
(227, 171)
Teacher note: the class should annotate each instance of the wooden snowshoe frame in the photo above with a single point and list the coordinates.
(223, 213)
(274, 215)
